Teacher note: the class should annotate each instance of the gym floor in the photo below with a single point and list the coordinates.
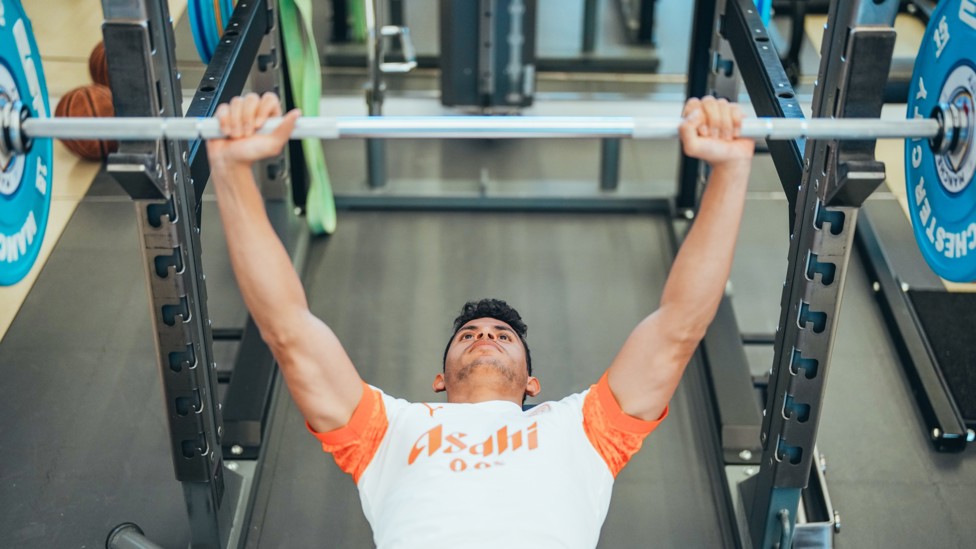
(83, 431)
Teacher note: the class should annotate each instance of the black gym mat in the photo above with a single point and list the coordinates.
(84, 443)
(947, 319)
(83, 434)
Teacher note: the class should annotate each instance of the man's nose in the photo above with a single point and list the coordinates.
(484, 334)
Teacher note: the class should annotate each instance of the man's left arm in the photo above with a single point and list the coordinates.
(645, 373)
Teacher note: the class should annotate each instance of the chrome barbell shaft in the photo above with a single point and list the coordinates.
(476, 127)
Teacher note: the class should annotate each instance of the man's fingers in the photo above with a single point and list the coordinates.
(688, 130)
(249, 113)
(283, 131)
(717, 118)
(725, 124)
(240, 120)
(713, 117)
(737, 117)
(269, 107)
(223, 113)
(236, 111)
(711, 131)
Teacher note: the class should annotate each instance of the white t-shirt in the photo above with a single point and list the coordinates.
(486, 474)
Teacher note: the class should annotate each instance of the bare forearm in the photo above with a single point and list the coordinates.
(702, 266)
(649, 366)
(319, 373)
(320, 376)
(646, 371)
(269, 284)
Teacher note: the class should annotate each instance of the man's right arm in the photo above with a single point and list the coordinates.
(322, 379)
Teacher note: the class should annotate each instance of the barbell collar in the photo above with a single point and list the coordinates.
(952, 128)
(13, 141)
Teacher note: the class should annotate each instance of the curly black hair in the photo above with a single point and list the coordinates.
(492, 308)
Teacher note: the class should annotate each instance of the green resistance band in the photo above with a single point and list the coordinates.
(357, 19)
(306, 85)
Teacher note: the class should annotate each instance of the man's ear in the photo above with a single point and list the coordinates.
(533, 387)
(438, 385)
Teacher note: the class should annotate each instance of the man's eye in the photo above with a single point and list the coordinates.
(505, 337)
(466, 336)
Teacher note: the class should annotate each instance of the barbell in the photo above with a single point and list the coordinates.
(18, 128)
(940, 152)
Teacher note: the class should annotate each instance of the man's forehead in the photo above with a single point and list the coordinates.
(485, 321)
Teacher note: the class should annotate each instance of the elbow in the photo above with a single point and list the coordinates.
(276, 340)
(688, 337)
(686, 330)
(279, 336)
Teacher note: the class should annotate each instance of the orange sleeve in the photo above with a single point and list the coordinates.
(353, 445)
(614, 434)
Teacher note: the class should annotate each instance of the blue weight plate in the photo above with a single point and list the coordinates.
(25, 184)
(764, 7)
(941, 188)
(208, 19)
(201, 27)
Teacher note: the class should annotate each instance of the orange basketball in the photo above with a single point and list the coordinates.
(97, 66)
(90, 100)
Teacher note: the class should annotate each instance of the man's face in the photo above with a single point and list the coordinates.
(486, 352)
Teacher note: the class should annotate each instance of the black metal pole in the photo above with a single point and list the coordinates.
(703, 28)
(589, 26)
(340, 22)
(396, 13)
(609, 164)
(375, 148)
(645, 29)
(376, 163)
(397, 20)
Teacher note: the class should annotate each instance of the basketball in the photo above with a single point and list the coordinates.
(93, 100)
(97, 66)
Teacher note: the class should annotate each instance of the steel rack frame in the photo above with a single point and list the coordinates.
(824, 201)
(166, 180)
